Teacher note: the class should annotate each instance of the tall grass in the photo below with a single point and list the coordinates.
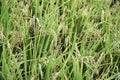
(59, 40)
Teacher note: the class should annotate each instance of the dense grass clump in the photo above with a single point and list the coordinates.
(59, 40)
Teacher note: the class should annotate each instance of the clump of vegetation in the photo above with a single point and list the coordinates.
(59, 40)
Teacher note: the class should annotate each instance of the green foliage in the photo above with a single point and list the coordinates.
(59, 40)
